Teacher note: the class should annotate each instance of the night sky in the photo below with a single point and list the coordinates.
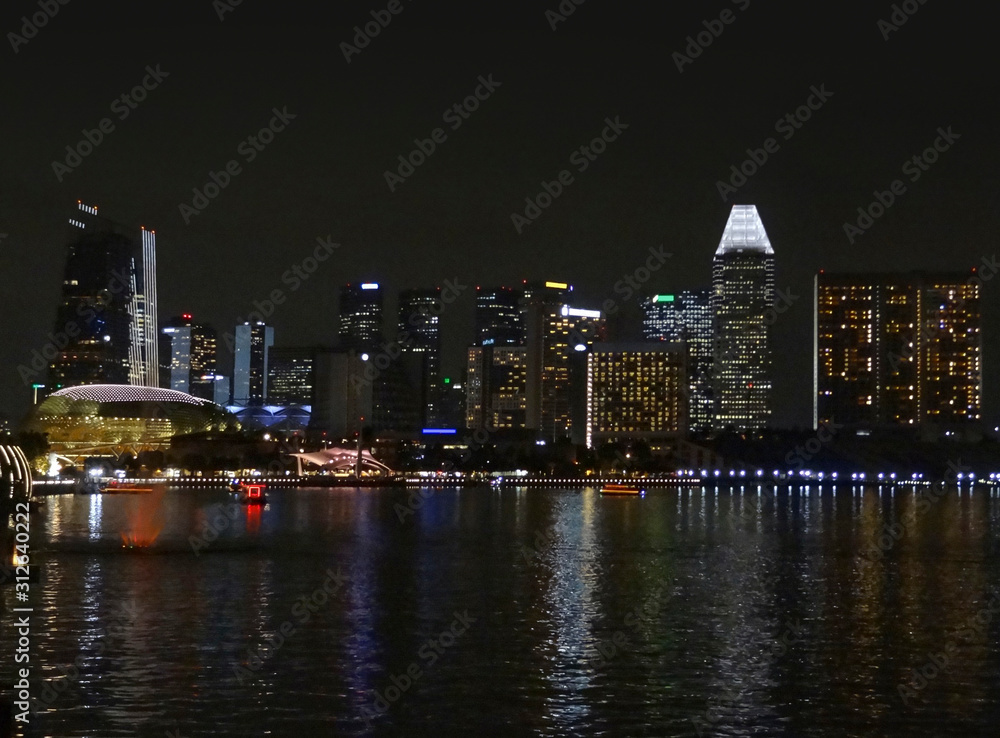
(656, 184)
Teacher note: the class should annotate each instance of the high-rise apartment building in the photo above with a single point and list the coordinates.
(687, 317)
(743, 292)
(897, 349)
(252, 344)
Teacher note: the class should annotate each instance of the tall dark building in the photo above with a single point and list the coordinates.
(188, 356)
(108, 306)
(291, 375)
(419, 321)
(686, 317)
(897, 349)
(498, 317)
(360, 326)
(253, 343)
(743, 292)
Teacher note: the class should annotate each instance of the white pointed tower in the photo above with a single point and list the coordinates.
(743, 302)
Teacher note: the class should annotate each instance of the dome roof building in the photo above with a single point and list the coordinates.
(114, 418)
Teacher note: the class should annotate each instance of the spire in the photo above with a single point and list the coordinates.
(744, 230)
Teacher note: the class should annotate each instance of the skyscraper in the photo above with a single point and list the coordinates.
(634, 391)
(498, 317)
(291, 375)
(553, 332)
(743, 292)
(360, 326)
(253, 342)
(496, 387)
(897, 349)
(188, 356)
(686, 317)
(419, 322)
(108, 305)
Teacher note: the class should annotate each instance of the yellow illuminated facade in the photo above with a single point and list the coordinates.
(897, 349)
(495, 387)
(636, 391)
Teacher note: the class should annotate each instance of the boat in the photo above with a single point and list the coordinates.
(114, 487)
(622, 489)
(250, 494)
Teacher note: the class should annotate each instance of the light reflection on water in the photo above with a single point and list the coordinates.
(770, 622)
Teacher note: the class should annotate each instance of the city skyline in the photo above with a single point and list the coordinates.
(739, 293)
(655, 185)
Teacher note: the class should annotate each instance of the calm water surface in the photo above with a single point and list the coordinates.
(531, 612)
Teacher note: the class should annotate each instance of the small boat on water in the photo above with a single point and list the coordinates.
(114, 487)
(628, 490)
(250, 494)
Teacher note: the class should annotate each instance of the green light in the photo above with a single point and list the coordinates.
(663, 298)
(447, 380)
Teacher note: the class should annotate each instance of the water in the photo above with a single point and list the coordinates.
(715, 611)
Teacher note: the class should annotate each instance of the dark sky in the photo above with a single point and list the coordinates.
(656, 184)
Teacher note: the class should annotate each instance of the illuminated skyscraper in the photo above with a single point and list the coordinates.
(187, 354)
(498, 317)
(496, 387)
(291, 375)
(635, 391)
(360, 316)
(146, 315)
(419, 321)
(743, 292)
(686, 317)
(108, 306)
(897, 349)
(554, 331)
(253, 342)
